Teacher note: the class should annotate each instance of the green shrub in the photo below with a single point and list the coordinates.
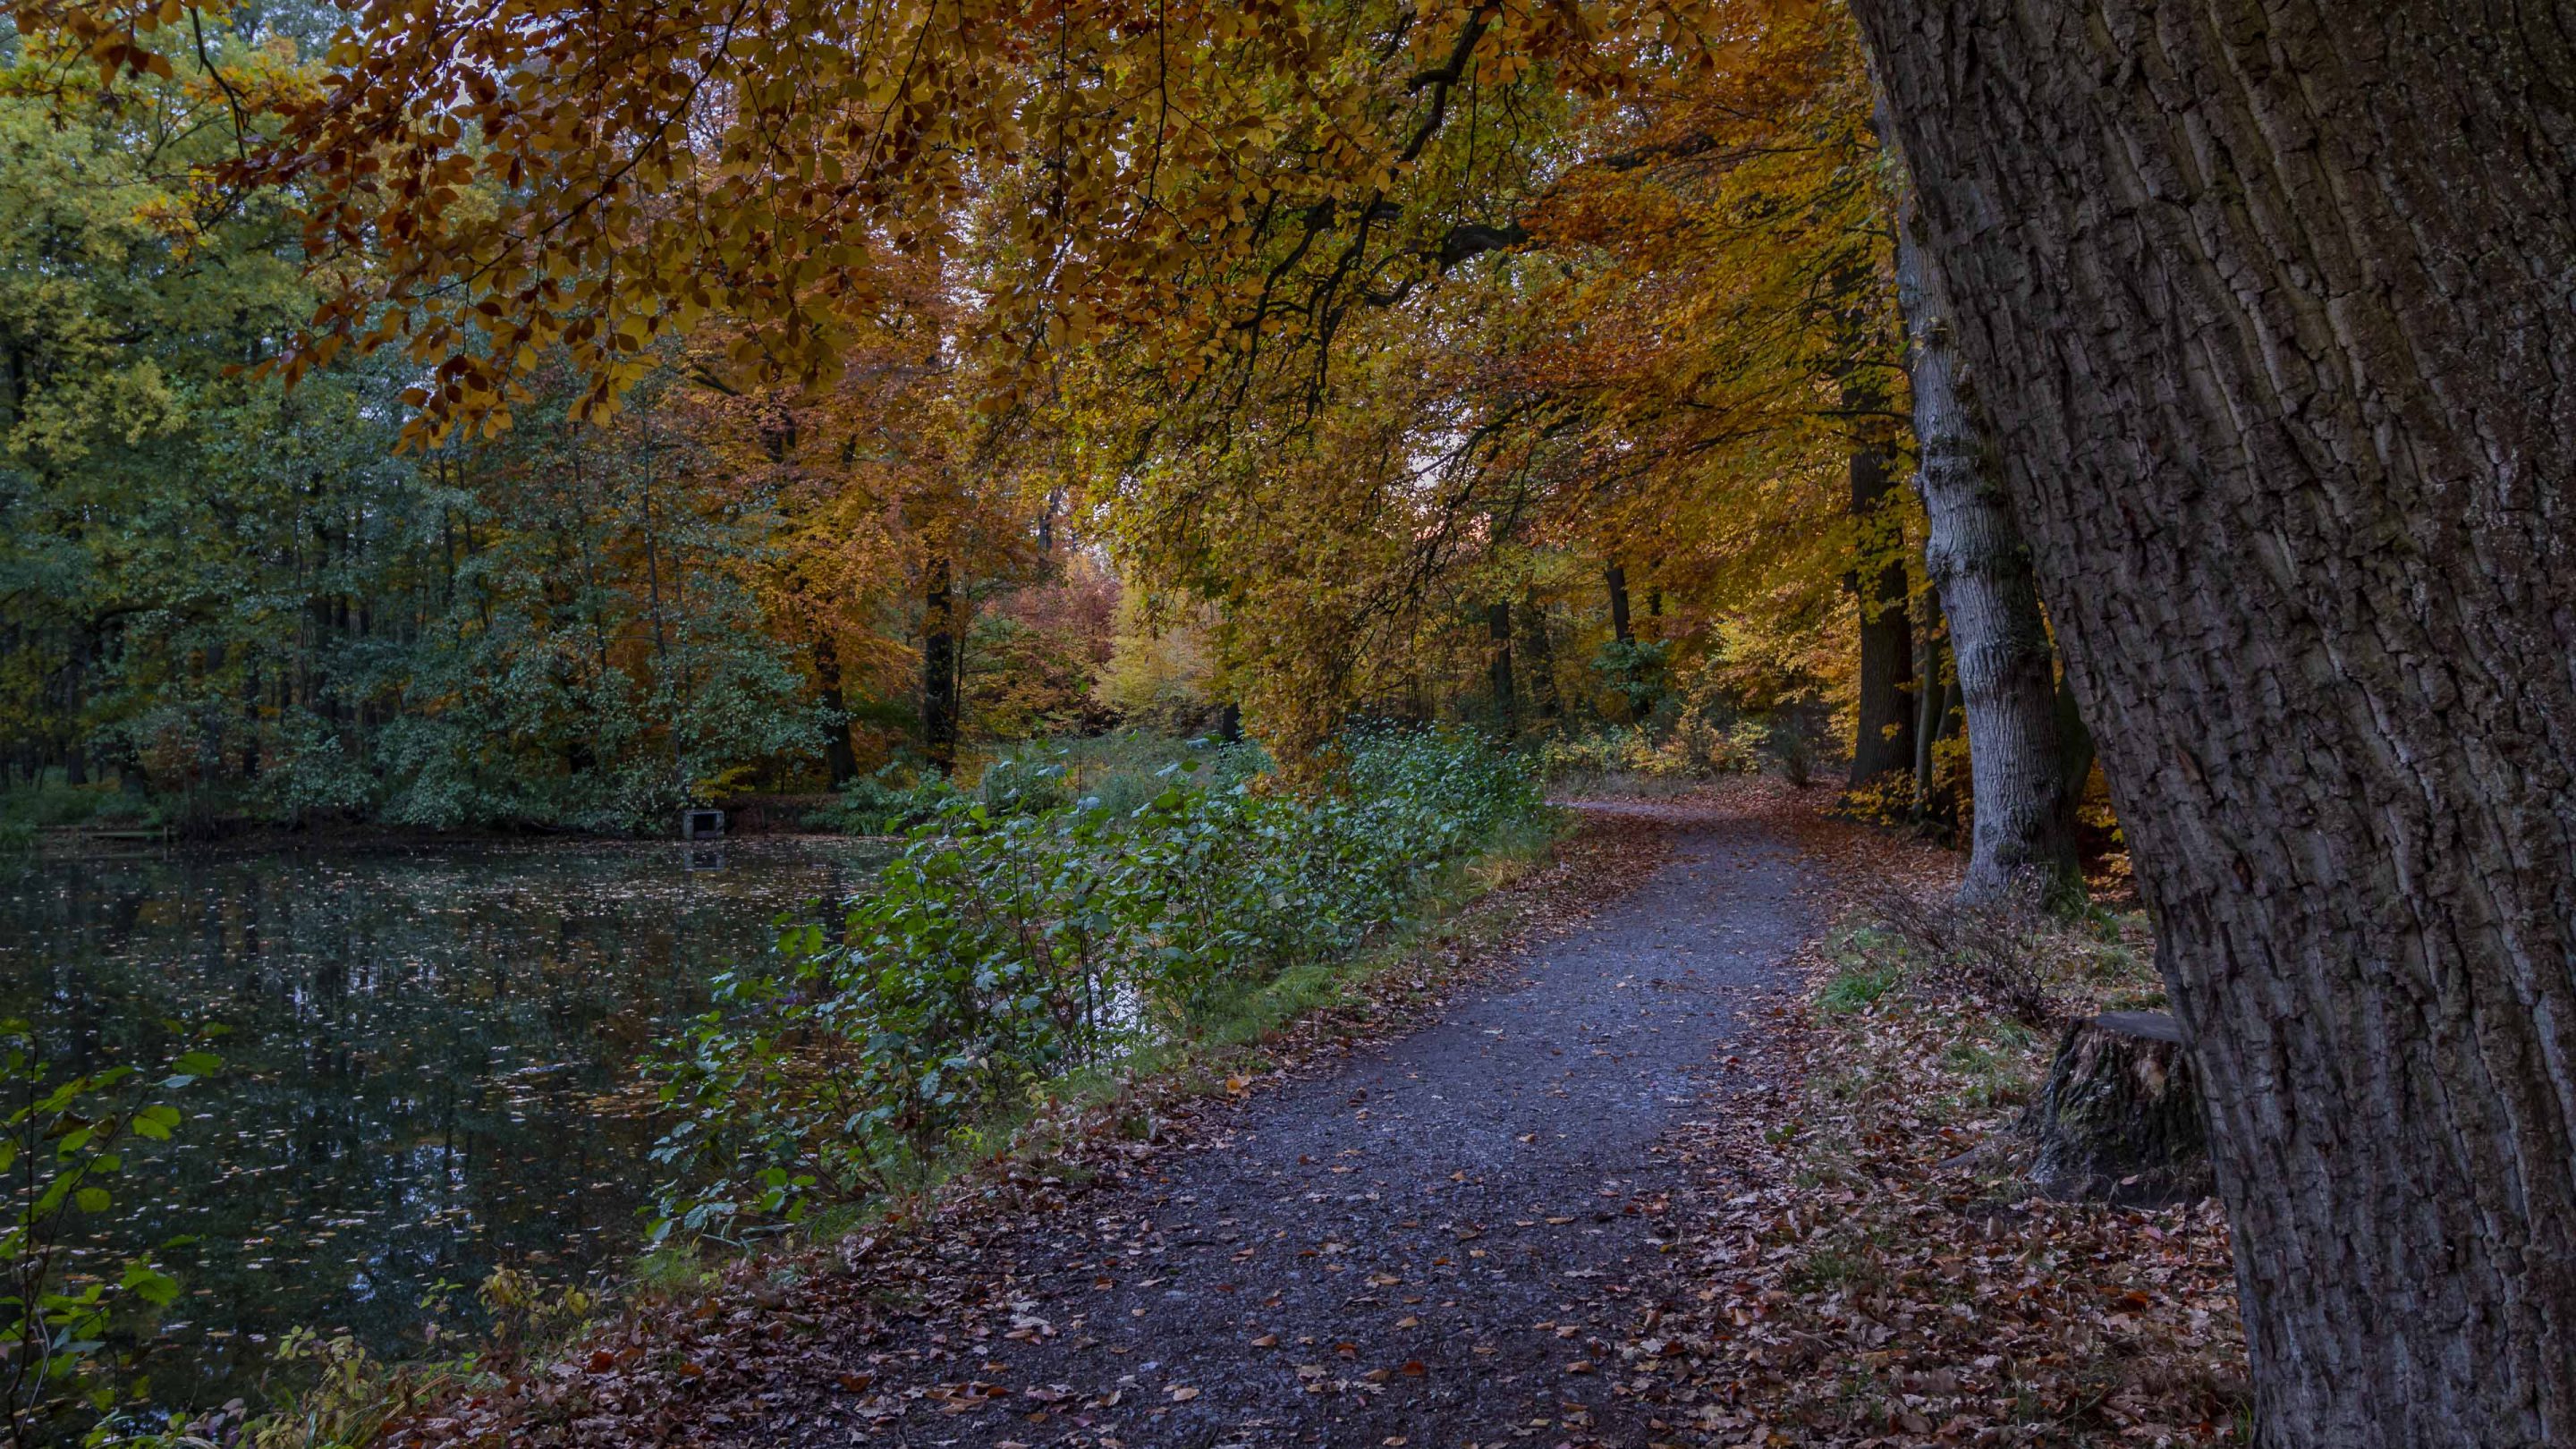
(64, 1142)
(1006, 947)
(1693, 748)
(885, 803)
(1859, 986)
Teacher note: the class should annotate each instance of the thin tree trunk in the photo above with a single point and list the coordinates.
(1498, 629)
(1974, 554)
(840, 762)
(1625, 637)
(2074, 752)
(2272, 313)
(1929, 645)
(1542, 656)
(939, 669)
(1885, 738)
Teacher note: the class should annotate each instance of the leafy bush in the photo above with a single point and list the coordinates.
(878, 805)
(1692, 749)
(1006, 947)
(1122, 770)
(64, 1142)
(1633, 670)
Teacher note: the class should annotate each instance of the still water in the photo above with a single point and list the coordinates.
(429, 1070)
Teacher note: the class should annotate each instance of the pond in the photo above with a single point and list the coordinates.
(429, 1071)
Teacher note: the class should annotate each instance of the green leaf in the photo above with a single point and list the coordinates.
(151, 1284)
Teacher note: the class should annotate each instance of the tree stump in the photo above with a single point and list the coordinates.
(2121, 1117)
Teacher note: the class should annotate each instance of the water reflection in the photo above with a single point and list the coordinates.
(430, 1066)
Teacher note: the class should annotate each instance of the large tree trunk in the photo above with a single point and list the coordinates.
(1884, 740)
(2272, 313)
(1974, 554)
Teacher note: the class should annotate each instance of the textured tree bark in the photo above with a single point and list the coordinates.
(2120, 1116)
(2272, 308)
(1975, 557)
(2074, 754)
(1617, 578)
(1885, 737)
(939, 669)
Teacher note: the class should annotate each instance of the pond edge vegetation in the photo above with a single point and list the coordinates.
(1395, 843)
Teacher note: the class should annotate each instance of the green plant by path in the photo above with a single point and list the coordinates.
(63, 1146)
(1002, 950)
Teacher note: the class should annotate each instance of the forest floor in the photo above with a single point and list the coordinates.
(1533, 1193)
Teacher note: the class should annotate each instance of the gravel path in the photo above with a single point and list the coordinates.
(1435, 1245)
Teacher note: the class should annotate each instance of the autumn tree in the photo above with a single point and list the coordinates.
(2264, 310)
(1979, 566)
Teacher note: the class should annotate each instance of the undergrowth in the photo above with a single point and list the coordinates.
(1027, 937)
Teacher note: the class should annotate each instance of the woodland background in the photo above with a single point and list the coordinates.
(1618, 485)
(780, 389)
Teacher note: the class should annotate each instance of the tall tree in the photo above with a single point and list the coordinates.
(2270, 310)
(1976, 559)
(1883, 723)
(939, 640)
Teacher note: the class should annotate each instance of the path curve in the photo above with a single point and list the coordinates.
(1437, 1244)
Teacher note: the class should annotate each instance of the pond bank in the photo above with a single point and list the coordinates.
(767, 818)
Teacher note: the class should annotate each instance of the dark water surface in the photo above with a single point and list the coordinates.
(429, 1071)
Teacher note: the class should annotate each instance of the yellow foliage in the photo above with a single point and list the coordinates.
(1162, 673)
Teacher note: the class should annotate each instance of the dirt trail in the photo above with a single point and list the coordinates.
(1436, 1244)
